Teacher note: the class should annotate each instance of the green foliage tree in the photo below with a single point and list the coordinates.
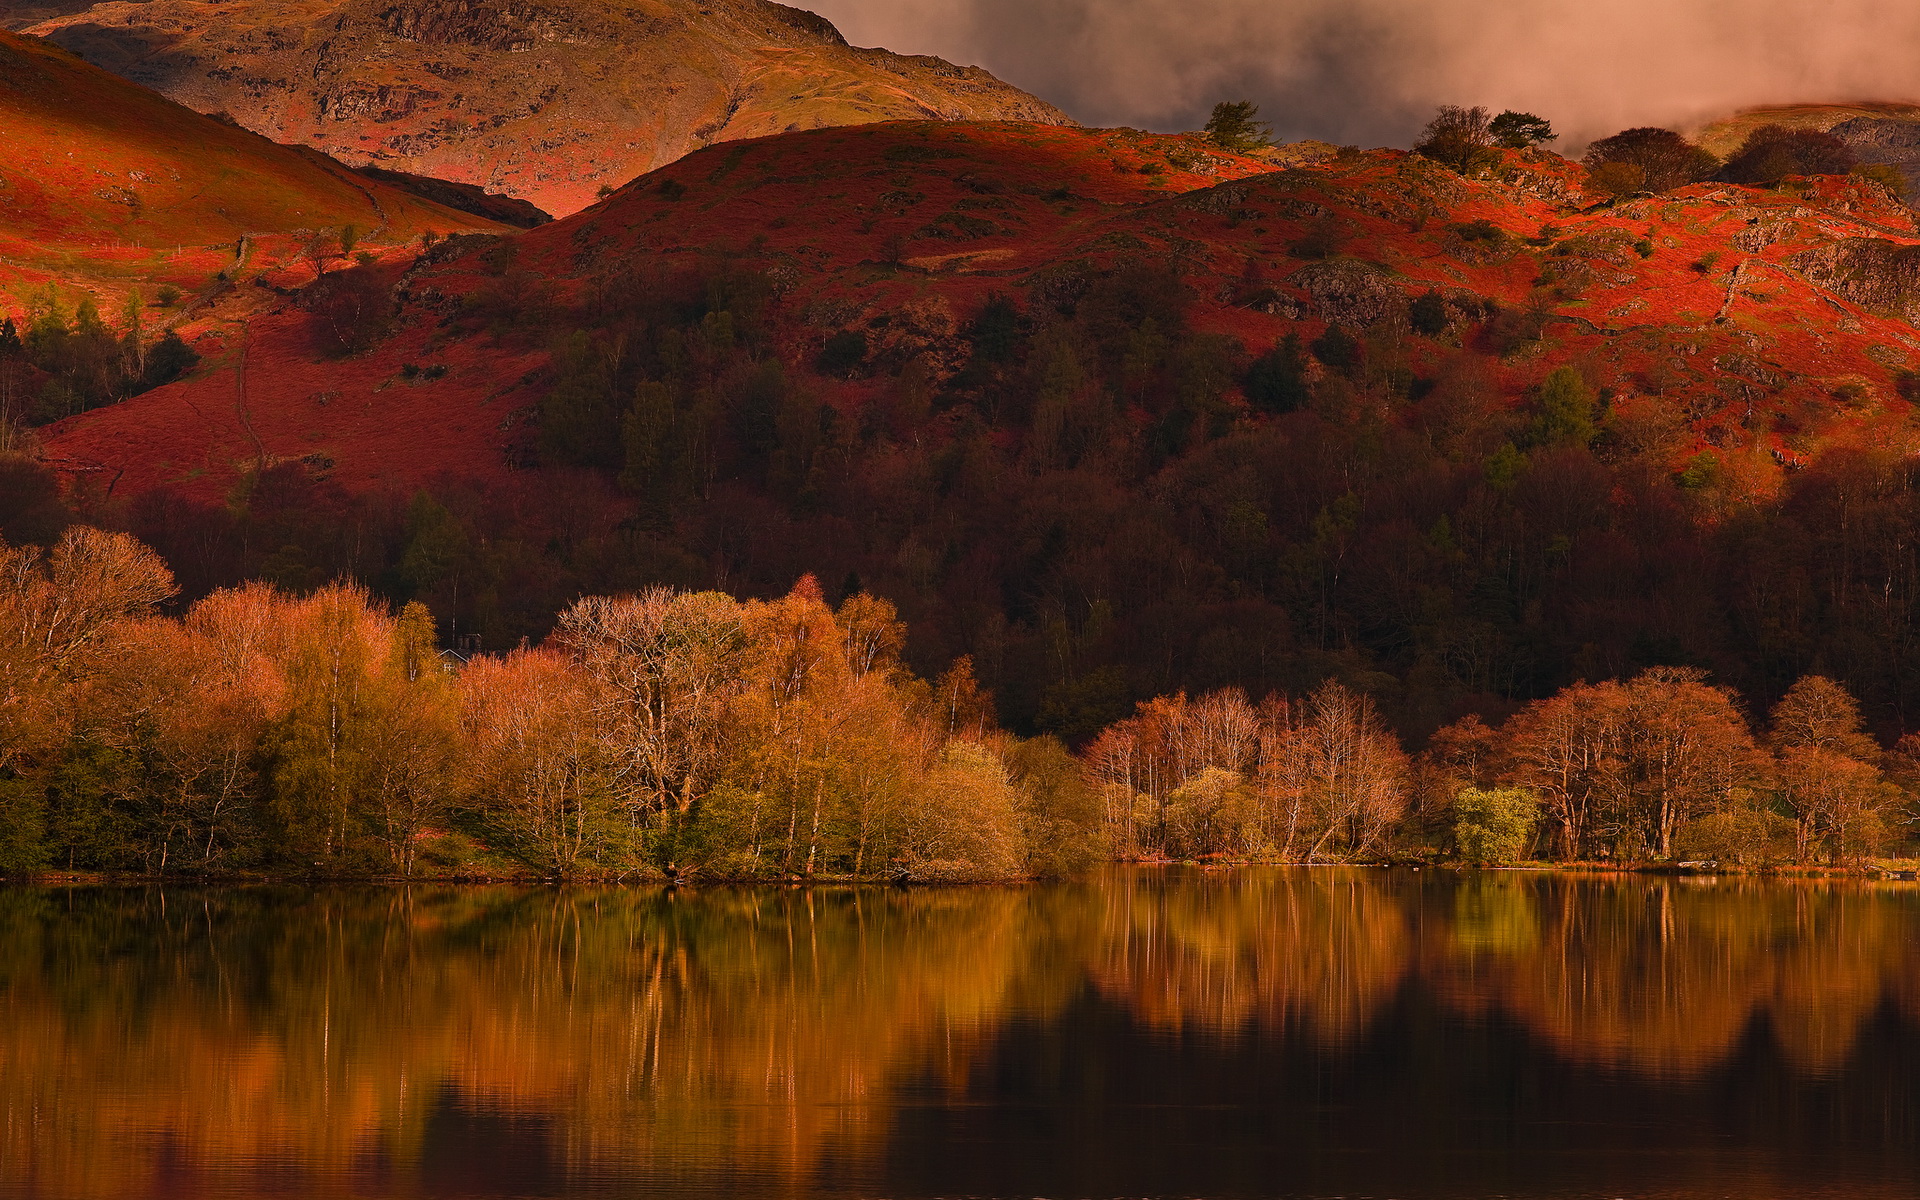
(1236, 125)
(1520, 130)
(1566, 410)
(1494, 825)
(1277, 380)
(579, 420)
(1061, 821)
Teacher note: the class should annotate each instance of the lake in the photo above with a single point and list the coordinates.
(1150, 1033)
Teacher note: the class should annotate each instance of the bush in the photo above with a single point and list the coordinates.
(1338, 349)
(1494, 825)
(1746, 836)
(1617, 179)
(1884, 174)
(1428, 314)
(1566, 409)
(1062, 821)
(1667, 159)
(843, 352)
(352, 309)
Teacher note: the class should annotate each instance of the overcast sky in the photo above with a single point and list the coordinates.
(1370, 71)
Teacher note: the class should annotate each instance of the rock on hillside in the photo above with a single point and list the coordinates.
(549, 101)
(106, 185)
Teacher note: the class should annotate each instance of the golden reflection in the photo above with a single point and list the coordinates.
(318, 1034)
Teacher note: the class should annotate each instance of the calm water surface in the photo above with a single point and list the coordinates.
(1269, 1033)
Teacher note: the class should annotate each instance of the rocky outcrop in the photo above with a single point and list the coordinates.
(549, 101)
(1880, 276)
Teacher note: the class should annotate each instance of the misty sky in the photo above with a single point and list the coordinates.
(1370, 71)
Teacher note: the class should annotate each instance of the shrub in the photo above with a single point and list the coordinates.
(1338, 349)
(1886, 175)
(843, 352)
(1428, 314)
(1617, 179)
(1668, 160)
(353, 309)
(1494, 825)
(1481, 230)
(1321, 239)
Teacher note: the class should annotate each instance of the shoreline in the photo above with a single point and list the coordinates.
(1880, 871)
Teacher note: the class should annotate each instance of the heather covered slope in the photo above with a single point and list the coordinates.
(1759, 326)
(963, 206)
(106, 186)
(547, 102)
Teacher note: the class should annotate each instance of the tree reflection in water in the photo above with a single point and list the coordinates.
(1258, 1032)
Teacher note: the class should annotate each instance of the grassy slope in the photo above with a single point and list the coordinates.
(106, 185)
(1679, 335)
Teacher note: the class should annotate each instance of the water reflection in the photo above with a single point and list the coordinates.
(1282, 1032)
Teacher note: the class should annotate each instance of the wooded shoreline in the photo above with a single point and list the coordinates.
(681, 736)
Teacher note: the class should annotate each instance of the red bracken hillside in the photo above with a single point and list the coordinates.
(105, 185)
(972, 206)
(1761, 325)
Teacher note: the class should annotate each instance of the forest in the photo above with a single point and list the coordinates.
(683, 735)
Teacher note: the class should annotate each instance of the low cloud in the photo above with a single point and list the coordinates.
(1371, 71)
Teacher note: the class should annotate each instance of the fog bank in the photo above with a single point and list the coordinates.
(1370, 71)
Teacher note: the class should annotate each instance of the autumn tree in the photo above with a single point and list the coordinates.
(1461, 138)
(416, 765)
(1666, 159)
(542, 770)
(669, 667)
(1773, 152)
(1828, 772)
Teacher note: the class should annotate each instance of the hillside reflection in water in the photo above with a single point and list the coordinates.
(1254, 1033)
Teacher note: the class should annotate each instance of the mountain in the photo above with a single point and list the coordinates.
(547, 102)
(108, 186)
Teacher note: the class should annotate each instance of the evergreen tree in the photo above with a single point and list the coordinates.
(1236, 125)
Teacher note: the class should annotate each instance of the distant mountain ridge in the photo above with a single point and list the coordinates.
(546, 102)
